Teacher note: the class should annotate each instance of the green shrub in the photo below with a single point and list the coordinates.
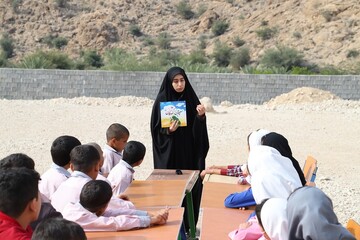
(266, 33)
(330, 70)
(264, 23)
(259, 70)
(61, 3)
(3, 60)
(46, 60)
(7, 46)
(135, 30)
(238, 42)
(196, 56)
(352, 53)
(301, 71)
(240, 58)
(15, 5)
(164, 40)
(282, 57)
(297, 35)
(60, 42)
(148, 41)
(92, 59)
(219, 27)
(222, 54)
(202, 42)
(184, 10)
(55, 42)
(327, 15)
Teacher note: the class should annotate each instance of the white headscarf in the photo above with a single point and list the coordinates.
(311, 216)
(272, 175)
(274, 218)
(255, 137)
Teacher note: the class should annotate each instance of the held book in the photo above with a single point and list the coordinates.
(171, 111)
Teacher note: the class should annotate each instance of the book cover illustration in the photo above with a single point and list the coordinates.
(171, 111)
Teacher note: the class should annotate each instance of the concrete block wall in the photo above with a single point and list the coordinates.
(236, 88)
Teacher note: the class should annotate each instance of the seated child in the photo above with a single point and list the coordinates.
(58, 228)
(121, 175)
(17, 160)
(93, 215)
(272, 218)
(311, 215)
(19, 202)
(117, 136)
(245, 198)
(100, 176)
(60, 153)
(253, 139)
(85, 161)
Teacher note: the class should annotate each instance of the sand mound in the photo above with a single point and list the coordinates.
(302, 95)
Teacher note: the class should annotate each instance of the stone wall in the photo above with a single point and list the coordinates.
(236, 88)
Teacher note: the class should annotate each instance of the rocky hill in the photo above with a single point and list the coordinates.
(324, 31)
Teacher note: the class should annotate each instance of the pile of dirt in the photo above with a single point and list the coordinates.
(302, 95)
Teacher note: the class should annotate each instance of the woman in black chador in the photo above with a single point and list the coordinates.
(180, 147)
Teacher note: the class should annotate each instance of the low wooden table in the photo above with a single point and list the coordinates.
(217, 223)
(214, 193)
(190, 177)
(220, 178)
(156, 193)
(168, 231)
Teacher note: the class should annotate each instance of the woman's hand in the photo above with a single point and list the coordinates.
(173, 126)
(200, 109)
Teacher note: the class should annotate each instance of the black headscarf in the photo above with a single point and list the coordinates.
(187, 147)
(280, 143)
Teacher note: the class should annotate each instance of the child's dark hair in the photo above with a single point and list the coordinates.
(58, 228)
(18, 186)
(95, 195)
(258, 211)
(134, 151)
(117, 131)
(17, 160)
(84, 157)
(61, 148)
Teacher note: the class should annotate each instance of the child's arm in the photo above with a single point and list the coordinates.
(160, 217)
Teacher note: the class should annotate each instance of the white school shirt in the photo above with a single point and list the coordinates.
(69, 191)
(111, 158)
(109, 221)
(101, 177)
(120, 177)
(52, 179)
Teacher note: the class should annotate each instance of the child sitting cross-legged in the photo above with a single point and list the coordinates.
(91, 212)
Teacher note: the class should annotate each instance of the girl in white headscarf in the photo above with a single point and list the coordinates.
(272, 217)
(272, 175)
(311, 216)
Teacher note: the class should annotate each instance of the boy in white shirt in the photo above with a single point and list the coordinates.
(122, 174)
(85, 166)
(117, 136)
(100, 151)
(60, 153)
(92, 214)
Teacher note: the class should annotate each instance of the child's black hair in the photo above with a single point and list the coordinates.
(95, 195)
(17, 160)
(134, 151)
(61, 148)
(84, 157)
(117, 131)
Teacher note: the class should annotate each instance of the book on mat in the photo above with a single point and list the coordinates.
(171, 111)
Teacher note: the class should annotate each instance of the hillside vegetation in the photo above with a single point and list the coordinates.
(280, 34)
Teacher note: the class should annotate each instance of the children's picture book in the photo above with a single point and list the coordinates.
(171, 111)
